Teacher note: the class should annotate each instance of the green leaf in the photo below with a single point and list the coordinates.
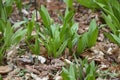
(116, 38)
(88, 3)
(82, 43)
(72, 72)
(8, 32)
(30, 27)
(109, 23)
(110, 37)
(65, 74)
(62, 47)
(90, 77)
(68, 16)
(45, 17)
(92, 34)
(18, 35)
(37, 46)
(69, 3)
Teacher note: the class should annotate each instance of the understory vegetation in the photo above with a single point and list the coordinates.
(56, 37)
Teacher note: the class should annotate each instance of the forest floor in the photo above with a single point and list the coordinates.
(21, 67)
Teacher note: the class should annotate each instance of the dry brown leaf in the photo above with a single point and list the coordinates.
(29, 68)
(5, 69)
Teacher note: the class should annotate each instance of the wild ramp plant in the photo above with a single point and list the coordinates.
(111, 15)
(88, 39)
(56, 37)
(9, 38)
(80, 70)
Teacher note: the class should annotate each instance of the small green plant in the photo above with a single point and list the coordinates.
(33, 40)
(9, 37)
(5, 9)
(89, 38)
(54, 44)
(81, 70)
(111, 16)
(55, 37)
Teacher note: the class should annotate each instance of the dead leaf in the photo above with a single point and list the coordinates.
(29, 68)
(38, 78)
(5, 69)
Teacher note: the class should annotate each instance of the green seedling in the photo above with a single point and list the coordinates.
(5, 9)
(9, 37)
(88, 39)
(112, 18)
(54, 44)
(57, 37)
(80, 70)
(33, 26)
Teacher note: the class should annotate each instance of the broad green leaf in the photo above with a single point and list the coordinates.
(69, 3)
(74, 28)
(116, 38)
(30, 27)
(45, 17)
(108, 9)
(88, 3)
(65, 74)
(37, 46)
(72, 72)
(18, 35)
(62, 47)
(110, 37)
(90, 77)
(82, 43)
(8, 32)
(68, 16)
(92, 34)
(109, 22)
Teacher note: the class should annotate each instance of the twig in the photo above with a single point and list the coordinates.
(36, 9)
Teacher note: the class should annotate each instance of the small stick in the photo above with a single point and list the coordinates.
(36, 9)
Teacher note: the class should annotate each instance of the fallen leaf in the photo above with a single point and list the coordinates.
(5, 69)
(38, 78)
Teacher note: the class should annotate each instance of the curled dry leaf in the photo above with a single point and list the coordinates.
(38, 78)
(5, 69)
(29, 68)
